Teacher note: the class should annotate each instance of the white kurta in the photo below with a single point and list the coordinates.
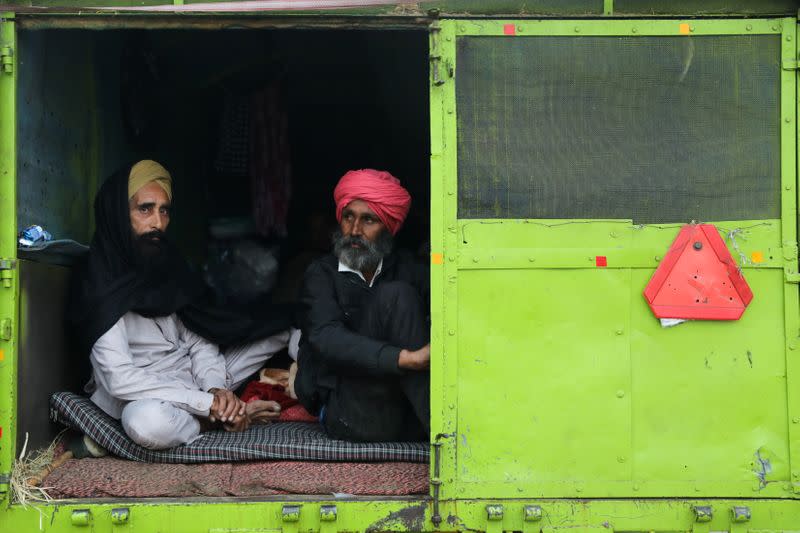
(159, 363)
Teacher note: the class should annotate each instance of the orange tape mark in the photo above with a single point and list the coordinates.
(2, 354)
(757, 257)
(684, 29)
(437, 259)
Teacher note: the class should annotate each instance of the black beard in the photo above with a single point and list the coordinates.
(368, 256)
(151, 250)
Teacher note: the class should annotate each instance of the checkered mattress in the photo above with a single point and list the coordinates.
(296, 441)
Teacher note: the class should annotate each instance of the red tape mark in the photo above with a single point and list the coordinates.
(509, 29)
(601, 261)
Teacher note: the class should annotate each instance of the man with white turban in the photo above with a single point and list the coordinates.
(365, 353)
(153, 341)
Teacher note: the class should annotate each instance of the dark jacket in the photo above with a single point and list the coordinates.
(331, 306)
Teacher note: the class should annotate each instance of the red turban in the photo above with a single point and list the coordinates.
(383, 193)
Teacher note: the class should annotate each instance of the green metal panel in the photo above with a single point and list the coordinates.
(8, 246)
(566, 385)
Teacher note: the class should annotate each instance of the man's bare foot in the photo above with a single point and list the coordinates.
(262, 411)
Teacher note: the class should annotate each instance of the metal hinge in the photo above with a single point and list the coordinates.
(7, 267)
(790, 64)
(7, 59)
(436, 57)
(436, 481)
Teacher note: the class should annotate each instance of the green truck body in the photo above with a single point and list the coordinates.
(558, 401)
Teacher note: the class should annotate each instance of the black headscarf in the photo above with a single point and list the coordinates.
(113, 281)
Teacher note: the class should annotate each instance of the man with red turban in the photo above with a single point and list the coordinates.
(364, 354)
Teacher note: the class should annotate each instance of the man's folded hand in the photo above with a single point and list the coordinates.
(226, 407)
(415, 359)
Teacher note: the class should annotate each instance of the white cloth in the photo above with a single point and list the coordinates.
(345, 268)
(160, 365)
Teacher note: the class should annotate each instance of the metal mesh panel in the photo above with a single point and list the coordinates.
(655, 129)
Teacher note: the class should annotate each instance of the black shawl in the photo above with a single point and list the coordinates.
(111, 282)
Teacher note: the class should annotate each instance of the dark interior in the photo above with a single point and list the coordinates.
(230, 114)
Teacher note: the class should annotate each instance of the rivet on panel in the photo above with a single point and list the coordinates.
(450, 111)
(634, 30)
(475, 259)
(749, 27)
(620, 393)
(691, 28)
(577, 29)
(451, 258)
(462, 28)
(613, 235)
(449, 193)
(774, 28)
(452, 406)
(792, 346)
(658, 258)
(636, 487)
(796, 420)
(621, 459)
(448, 38)
(578, 488)
(788, 37)
(619, 332)
(788, 187)
(451, 332)
(531, 259)
(520, 28)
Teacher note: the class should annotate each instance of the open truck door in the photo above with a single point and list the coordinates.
(8, 247)
(566, 157)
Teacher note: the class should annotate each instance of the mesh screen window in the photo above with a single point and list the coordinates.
(654, 129)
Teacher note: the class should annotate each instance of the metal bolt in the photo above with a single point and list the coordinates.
(620, 394)
(796, 420)
(740, 513)
(494, 512)
(452, 406)
(578, 489)
(475, 259)
(621, 459)
(691, 28)
(448, 38)
(636, 487)
(81, 517)
(619, 332)
(788, 37)
(120, 515)
(532, 513)
(577, 29)
(634, 30)
(462, 28)
(613, 235)
(698, 245)
(451, 258)
(451, 332)
(449, 193)
(703, 513)
(774, 28)
(290, 513)
(658, 258)
(787, 120)
(792, 346)
(520, 28)
(748, 27)
(327, 513)
(788, 187)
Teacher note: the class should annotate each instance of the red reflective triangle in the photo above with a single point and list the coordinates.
(698, 279)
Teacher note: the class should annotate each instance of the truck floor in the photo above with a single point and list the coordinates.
(113, 477)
